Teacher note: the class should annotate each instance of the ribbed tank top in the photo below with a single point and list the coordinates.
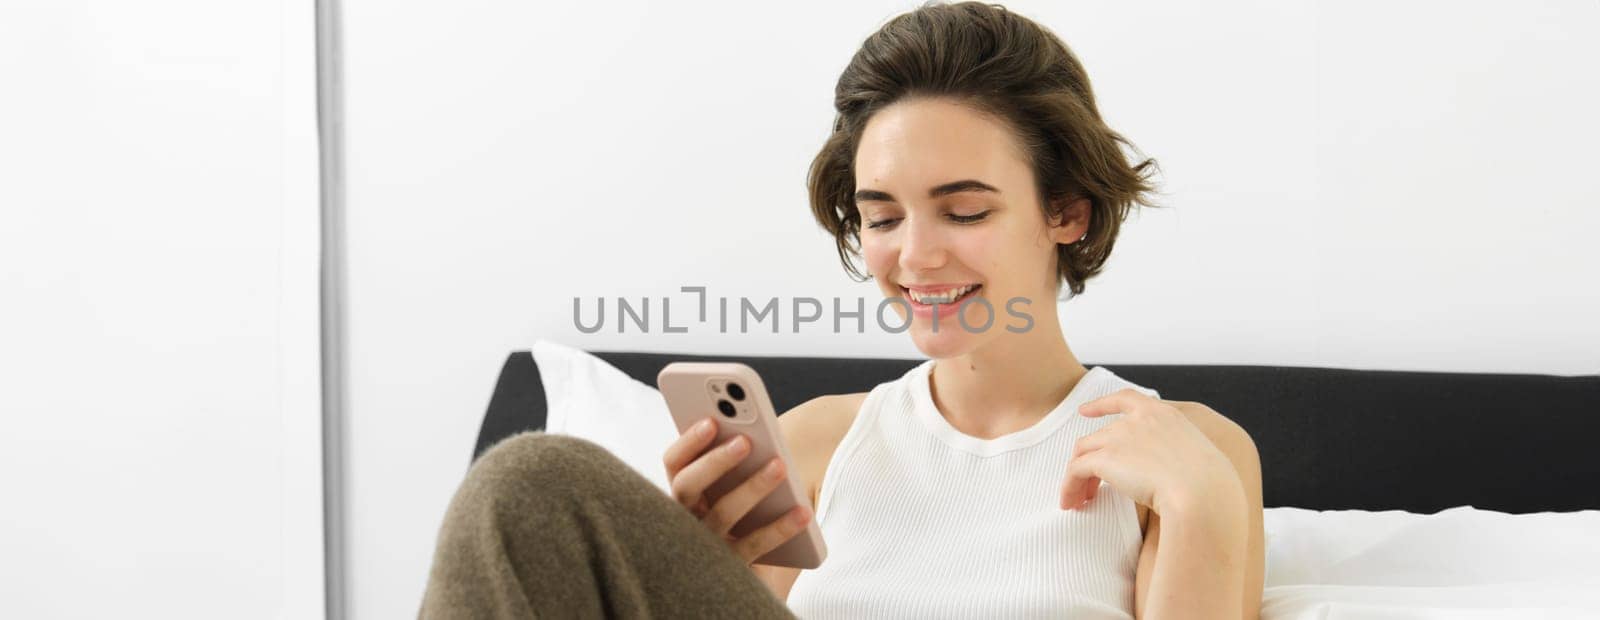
(924, 521)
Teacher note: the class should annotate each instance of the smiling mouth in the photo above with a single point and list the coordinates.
(944, 297)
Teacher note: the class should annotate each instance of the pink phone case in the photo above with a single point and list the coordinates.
(694, 391)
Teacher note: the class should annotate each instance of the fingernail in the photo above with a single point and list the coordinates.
(772, 468)
(738, 444)
(800, 515)
(703, 427)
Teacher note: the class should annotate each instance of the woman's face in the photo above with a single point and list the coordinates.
(949, 212)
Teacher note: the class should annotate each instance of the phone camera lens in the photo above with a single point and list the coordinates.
(725, 407)
(735, 391)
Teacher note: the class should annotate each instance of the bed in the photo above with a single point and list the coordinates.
(1389, 494)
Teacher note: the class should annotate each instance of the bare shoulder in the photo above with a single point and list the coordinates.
(1228, 436)
(813, 429)
(1234, 442)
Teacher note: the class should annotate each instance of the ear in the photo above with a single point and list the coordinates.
(1073, 222)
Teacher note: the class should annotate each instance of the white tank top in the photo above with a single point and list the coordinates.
(924, 521)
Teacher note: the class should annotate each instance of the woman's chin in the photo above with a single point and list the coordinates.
(949, 341)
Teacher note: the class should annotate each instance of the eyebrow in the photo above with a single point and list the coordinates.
(965, 185)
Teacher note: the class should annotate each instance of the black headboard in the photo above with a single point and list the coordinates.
(1329, 439)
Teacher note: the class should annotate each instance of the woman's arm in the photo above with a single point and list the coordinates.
(1206, 556)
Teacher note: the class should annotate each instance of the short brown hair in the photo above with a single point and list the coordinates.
(1011, 68)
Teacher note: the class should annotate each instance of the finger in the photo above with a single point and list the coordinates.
(1124, 400)
(1080, 498)
(1092, 441)
(699, 508)
(731, 508)
(690, 485)
(689, 445)
(1082, 472)
(773, 534)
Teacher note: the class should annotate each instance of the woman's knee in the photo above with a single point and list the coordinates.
(548, 463)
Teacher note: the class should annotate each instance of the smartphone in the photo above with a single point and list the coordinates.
(735, 394)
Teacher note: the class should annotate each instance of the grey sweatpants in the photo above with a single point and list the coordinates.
(554, 526)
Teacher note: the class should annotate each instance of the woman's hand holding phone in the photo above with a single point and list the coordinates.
(693, 465)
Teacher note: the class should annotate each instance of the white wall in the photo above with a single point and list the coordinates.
(1364, 185)
(159, 379)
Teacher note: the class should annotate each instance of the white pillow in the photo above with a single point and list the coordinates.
(1462, 562)
(589, 398)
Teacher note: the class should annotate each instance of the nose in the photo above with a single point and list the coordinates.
(921, 245)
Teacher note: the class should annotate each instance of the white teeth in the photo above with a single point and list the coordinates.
(941, 297)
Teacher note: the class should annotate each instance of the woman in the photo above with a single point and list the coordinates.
(970, 169)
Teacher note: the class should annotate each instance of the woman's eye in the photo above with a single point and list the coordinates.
(968, 219)
(959, 219)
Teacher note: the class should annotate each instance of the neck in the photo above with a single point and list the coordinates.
(1009, 383)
